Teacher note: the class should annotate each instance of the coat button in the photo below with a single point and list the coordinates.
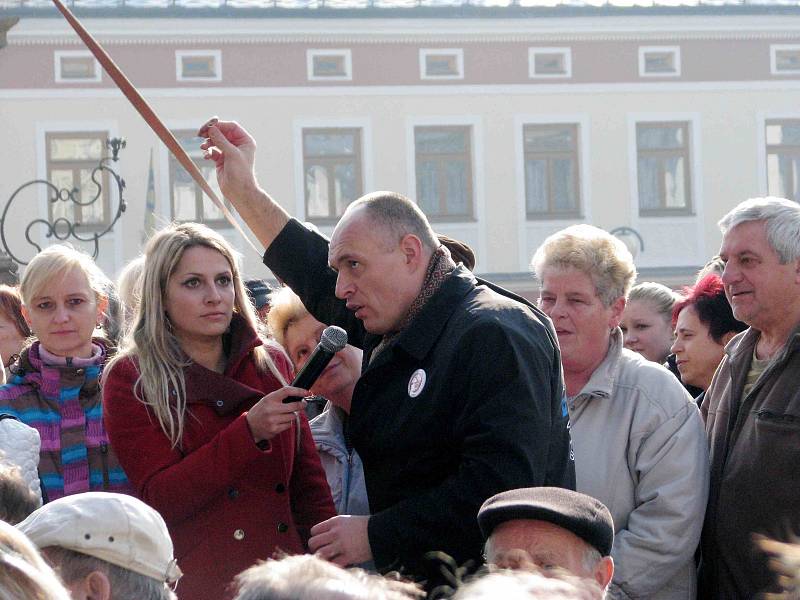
(238, 534)
(280, 488)
(233, 493)
(283, 528)
(220, 403)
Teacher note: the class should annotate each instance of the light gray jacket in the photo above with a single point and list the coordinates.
(343, 469)
(640, 448)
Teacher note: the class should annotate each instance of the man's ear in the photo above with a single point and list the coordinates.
(603, 571)
(412, 249)
(617, 308)
(97, 586)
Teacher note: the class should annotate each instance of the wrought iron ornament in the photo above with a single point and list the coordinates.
(62, 229)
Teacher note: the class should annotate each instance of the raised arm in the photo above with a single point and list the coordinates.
(233, 150)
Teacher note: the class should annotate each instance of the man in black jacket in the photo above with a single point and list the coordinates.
(461, 395)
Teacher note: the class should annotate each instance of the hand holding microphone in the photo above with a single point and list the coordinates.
(275, 412)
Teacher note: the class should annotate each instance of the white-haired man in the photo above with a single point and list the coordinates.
(106, 546)
(752, 408)
(550, 528)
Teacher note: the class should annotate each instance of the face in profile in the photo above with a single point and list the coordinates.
(11, 340)
(376, 277)
(757, 285)
(697, 354)
(200, 295)
(646, 331)
(63, 314)
(341, 374)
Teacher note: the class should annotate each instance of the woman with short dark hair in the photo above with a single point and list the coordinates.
(704, 324)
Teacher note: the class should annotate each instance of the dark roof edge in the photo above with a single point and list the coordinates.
(417, 12)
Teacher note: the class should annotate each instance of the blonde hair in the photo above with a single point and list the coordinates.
(129, 291)
(661, 297)
(603, 257)
(24, 575)
(285, 309)
(57, 261)
(161, 359)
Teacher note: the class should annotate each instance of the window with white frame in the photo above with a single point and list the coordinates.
(441, 63)
(329, 65)
(76, 66)
(659, 61)
(783, 158)
(663, 168)
(188, 202)
(784, 59)
(443, 156)
(198, 65)
(72, 161)
(552, 178)
(549, 62)
(332, 171)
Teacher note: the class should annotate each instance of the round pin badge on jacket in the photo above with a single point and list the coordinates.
(417, 383)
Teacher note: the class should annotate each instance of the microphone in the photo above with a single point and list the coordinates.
(331, 341)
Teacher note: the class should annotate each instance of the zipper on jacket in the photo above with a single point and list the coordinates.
(348, 444)
(104, 459)
(347, 481)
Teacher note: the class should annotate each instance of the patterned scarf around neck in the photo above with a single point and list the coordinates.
(440, 266)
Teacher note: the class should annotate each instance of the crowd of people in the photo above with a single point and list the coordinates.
(613, 440)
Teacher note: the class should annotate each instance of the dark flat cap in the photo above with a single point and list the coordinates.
(583, 515)
(258, 290)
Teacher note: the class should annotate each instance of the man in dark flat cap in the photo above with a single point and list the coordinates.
(549, 527)
(258, 291)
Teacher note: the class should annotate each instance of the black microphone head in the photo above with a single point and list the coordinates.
(333, 339)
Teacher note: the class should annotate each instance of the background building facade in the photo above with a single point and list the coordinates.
(505, 124)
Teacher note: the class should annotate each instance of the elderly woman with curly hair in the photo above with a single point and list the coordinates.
(639, 442)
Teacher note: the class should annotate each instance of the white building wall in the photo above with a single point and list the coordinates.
(727, 149)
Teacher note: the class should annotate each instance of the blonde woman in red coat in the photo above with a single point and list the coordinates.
(194, 409)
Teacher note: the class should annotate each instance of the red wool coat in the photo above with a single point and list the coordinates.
(226, 502)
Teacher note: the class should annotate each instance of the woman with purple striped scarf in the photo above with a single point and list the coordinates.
(55, 383)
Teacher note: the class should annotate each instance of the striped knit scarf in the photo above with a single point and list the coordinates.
(48, 394)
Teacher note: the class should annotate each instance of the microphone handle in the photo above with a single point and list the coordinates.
(311, 371)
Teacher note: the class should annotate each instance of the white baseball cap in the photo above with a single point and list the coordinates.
(116, 528)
